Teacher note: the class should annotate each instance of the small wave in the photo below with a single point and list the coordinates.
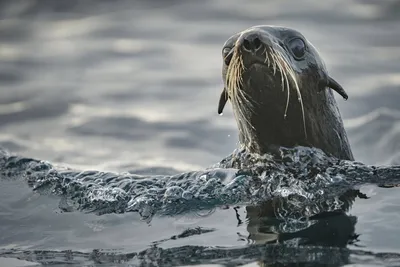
(302, 182)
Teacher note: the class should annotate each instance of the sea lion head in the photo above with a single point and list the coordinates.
(280, 92)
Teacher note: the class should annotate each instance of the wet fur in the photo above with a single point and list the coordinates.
(279, 102)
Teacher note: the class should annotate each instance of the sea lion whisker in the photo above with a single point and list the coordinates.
(266, 61)
(240, 109)
(284, 78)
(265, 55)
(274, 56)
(282, 70)
(288, 94)
(274, 60)
(292, 75)
(243, 102)
(235, 81)
(234, 73)
(244, 96)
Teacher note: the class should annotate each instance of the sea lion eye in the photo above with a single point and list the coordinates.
(298, 48)
(227, 55)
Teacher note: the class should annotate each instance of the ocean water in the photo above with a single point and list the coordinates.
(110, 108)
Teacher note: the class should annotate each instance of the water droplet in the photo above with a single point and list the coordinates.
(221, 114)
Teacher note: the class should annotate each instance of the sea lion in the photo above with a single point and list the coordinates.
(280, 92)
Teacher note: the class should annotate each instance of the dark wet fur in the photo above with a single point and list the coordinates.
(265, 103)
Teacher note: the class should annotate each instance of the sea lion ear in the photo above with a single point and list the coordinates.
(222, 101)
(331, 83)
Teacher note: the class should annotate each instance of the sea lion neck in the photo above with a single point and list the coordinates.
(263, 126)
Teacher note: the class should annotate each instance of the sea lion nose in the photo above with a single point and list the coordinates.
(252, 42)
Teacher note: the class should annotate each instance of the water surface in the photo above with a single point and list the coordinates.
(133, 86)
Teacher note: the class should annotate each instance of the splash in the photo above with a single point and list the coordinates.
(304, 181)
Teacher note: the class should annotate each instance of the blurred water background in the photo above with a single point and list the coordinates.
(134, 85)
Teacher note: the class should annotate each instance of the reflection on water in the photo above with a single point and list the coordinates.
(332, 229)
(133, 86)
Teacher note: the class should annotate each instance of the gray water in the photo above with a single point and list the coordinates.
(133, 86)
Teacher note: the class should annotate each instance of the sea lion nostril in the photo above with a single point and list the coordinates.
(252, 42)
(256, 43)
(247, 44)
